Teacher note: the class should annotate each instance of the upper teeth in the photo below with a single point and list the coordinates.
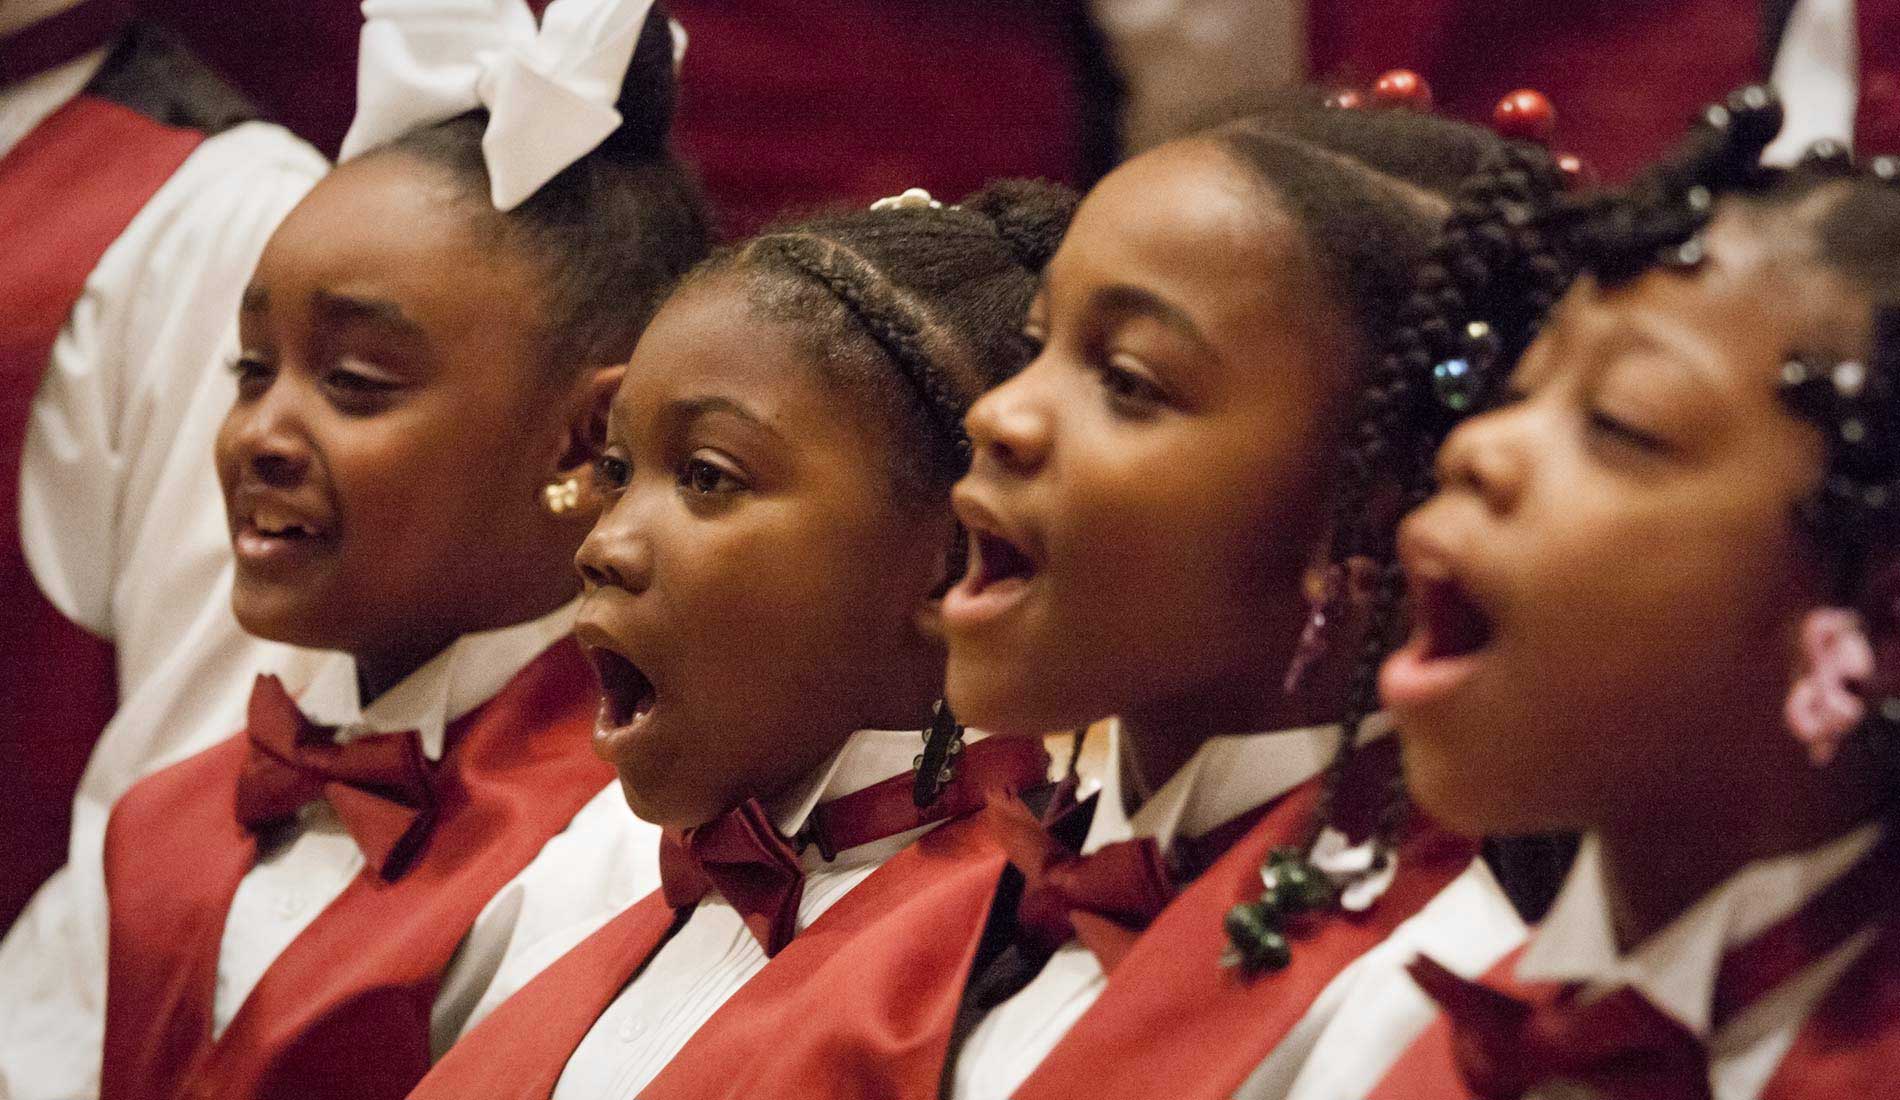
(272, 522)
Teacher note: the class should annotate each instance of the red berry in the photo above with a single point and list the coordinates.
(1525, 115)
(1403, 88)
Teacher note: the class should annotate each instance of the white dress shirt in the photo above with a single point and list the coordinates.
(714, 954)
(52, 968)
(1675, 969)
(1817, 73)
(1368, 1011)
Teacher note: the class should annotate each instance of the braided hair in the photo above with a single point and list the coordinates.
(916, 310)
(1406, 218)
(612, 232)
(1515, 243)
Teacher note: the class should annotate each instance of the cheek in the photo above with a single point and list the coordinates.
(1181, 553)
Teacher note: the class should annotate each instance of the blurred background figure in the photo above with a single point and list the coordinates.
(794, 103)
(135, 193)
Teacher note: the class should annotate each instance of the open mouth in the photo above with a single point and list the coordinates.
(1451, 632)
(997, 577)
(275, 524)
(996, 561)
(626, 693)
(1448, 624)
(270, 535)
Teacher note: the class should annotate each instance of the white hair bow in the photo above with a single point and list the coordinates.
(549, 94)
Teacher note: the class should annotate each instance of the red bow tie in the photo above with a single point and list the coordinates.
(743, 856)
(1619, 1044)
(379, 786)
(1105, 899)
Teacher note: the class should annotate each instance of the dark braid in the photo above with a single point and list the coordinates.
(900, 328)
(940, 294)
(1489, 278)
(1405, 241)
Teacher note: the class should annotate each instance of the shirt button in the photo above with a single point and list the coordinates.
(630, 1030)
(288, 905)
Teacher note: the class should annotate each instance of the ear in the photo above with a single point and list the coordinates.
(583, 437)
(585, 434)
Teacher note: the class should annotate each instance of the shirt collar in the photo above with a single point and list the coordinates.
(454, 682)
(1226, 777)
(867, 757)
(1675, 969)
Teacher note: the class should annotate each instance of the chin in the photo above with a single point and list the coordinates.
(278, 616)
(997, 706)
(668, 806)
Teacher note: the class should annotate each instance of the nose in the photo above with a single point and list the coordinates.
(615, 554)
(1489, 455)
(1012, 425)
(268, 437)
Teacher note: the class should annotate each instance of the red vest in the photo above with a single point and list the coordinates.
(1174, 1022)
(1847, 1049)
(860, 1003)
(344, 1011)
(66, 193)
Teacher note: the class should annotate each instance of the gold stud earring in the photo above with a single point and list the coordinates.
(562, 496)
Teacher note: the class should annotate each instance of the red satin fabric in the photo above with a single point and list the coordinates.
(66, 193)
(1106, 899)
(1849, 1047)
(859, 1003)
(344, 1011)
(1174, 1022)
(518, 1053)
(1506, 1043)
(862, 1002)
(742, 856)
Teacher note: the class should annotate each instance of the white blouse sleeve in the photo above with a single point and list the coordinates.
(119, 509)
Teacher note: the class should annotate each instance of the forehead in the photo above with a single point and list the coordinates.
(396, 229)
(710, 340)
(1760, 297)
(1187, 221)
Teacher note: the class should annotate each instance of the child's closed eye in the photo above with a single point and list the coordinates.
(254, 374)
(1622, 432)
(1131, 391)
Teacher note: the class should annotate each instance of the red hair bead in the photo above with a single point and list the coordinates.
(1403, 88)
(1525, 115)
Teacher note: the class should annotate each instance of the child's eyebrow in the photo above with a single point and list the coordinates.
(688, 409)
(256, 300)
(349, 308)
(1123, 298)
